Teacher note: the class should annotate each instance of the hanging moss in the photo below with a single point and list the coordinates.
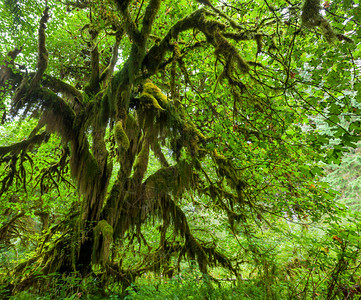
(195, 250)
(162, 181)
(311, 13)
(311, 17)
(229, 53)
(327, 30)
(103, 237)
(141, 163)
(120, 136)
(157, 150)
(132, 127)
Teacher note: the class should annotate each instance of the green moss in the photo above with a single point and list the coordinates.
(311, 13)
(327, 30)
(141, 162)
(148, 100)
(103, 237)
(311, 17)
(104, 109)
(155, 91)
(229, 53)
(120, 136)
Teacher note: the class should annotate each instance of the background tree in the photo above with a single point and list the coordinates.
(221, 95)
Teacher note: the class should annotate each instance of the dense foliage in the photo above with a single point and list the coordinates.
(144, 140)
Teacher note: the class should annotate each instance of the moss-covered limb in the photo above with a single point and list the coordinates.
(4, 228)
(157, 53)
(141, 163)
(110, 212)
(131, 29)
(122, 4)
(311, 15)
(174, 179)
(155, 146)
(120, 136)
(226, 169)
(42, 52)
(205, 255)
(59, 86)
(229, 54)
(213, 30)
(217, 258)
(6, 71)
(114, 207)
(58, 115)
(103, 238)
(114, 104)
(149, 17)
(93, 86)
(134, 135)
(125, 276)
(110, 68)
(184, 51)
(68, 91)
(23, 145)
(220, 196)
(99, 149)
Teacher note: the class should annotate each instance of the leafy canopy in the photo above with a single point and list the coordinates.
(223, 95)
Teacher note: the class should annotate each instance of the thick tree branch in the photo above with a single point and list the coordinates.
(157, 53)
(149, 17)
(131, 28)
(23, 145)
(6, 70)
(122, 4)
(42, 52)
(59, 86)
(110, 68)
(93, 85)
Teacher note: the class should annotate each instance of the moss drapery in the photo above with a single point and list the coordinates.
(119, 118)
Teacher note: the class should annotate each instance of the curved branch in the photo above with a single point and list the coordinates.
(131, 28)
(42, 52)
(212, 29)
(110, 68)
(59, 86)
(6, 70)
(149, 17)
(35, 140)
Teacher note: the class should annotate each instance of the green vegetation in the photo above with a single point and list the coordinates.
(180, 150)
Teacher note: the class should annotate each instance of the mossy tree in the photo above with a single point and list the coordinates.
(219, 94)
